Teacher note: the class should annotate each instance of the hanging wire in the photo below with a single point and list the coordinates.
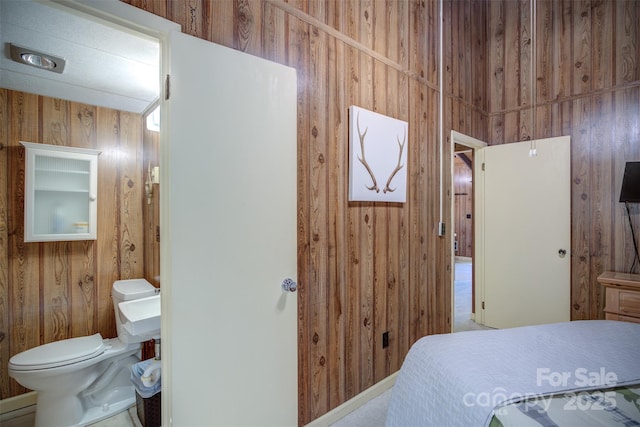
(636, 255)
(532, 64)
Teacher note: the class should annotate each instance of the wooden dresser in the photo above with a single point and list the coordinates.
(622, 297)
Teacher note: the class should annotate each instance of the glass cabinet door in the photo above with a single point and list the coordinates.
(60, 193)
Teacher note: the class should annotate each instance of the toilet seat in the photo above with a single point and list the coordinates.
(58, 353)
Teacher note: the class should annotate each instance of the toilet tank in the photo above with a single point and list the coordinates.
(127, 290)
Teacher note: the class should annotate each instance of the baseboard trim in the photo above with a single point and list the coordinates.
(18, 402)
(354, 403)
(29, 399)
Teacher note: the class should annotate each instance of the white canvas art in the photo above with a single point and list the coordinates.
(377, 157)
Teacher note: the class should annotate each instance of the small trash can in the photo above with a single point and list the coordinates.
(145, 376)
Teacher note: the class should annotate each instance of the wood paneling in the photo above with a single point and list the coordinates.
(463, 205)
(364, 268)
(367, 268)
(587, 80)
(5, 295)
(151, 209)
(25, 325)
(56, 290)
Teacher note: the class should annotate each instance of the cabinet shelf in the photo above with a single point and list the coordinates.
(60, 193)
(58, 171)
(60, 190)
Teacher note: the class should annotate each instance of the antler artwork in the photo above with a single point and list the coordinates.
(363, 160)
(398, 166)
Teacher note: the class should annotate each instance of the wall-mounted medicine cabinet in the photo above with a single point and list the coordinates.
(61, 187)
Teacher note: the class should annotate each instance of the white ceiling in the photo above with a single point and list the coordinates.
(105, 66)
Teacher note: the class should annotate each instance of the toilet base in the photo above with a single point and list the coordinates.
(52, 418)
(80, 410)
(93, 415)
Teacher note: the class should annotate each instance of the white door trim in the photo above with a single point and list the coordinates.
(121, 14)
(132, 18)
(475, 145)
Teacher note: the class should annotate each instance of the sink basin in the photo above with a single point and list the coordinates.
(141, 317)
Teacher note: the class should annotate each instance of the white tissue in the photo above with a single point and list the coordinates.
(151, 375)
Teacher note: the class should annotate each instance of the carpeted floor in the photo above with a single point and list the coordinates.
(462, 298)
(374, 412)
(371, 414)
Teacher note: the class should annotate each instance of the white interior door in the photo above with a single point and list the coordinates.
(228, 197)
(526, 203)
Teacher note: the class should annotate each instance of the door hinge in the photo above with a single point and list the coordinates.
(483, 305)
(483, 167)
(167, 87)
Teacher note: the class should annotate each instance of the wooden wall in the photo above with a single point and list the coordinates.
(56, 290)
(586, 84)
(151, 208)
(364, 268)
(369, 268)
(463, 206)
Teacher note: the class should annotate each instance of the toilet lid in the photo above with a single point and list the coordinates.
(58, 353)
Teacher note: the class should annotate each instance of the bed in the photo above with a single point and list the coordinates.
(548, 375)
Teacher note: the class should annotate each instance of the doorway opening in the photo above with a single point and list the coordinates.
(463, 236)
(463, 167)
(112, 76)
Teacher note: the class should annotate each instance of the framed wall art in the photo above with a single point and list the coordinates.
(377, 157)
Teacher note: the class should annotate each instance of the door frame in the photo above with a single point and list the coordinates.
(124, 15)
(476, 253)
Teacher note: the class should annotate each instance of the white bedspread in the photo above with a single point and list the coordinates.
(458, 379)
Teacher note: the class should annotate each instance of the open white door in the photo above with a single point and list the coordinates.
(526, 206)
(228, 197)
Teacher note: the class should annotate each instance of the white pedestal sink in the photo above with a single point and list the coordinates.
(141, 317)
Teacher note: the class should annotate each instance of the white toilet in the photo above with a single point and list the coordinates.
(83, 380)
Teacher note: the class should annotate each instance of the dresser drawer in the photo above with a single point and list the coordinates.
(610, 316)
(622, 296)
(629, 303)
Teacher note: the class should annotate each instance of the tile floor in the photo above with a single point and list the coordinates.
(26, 418)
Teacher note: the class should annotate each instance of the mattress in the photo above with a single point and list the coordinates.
(461, 379)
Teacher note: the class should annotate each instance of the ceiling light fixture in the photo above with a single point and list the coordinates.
(41, 60)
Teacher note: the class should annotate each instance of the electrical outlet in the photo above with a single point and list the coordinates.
(385, 339)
